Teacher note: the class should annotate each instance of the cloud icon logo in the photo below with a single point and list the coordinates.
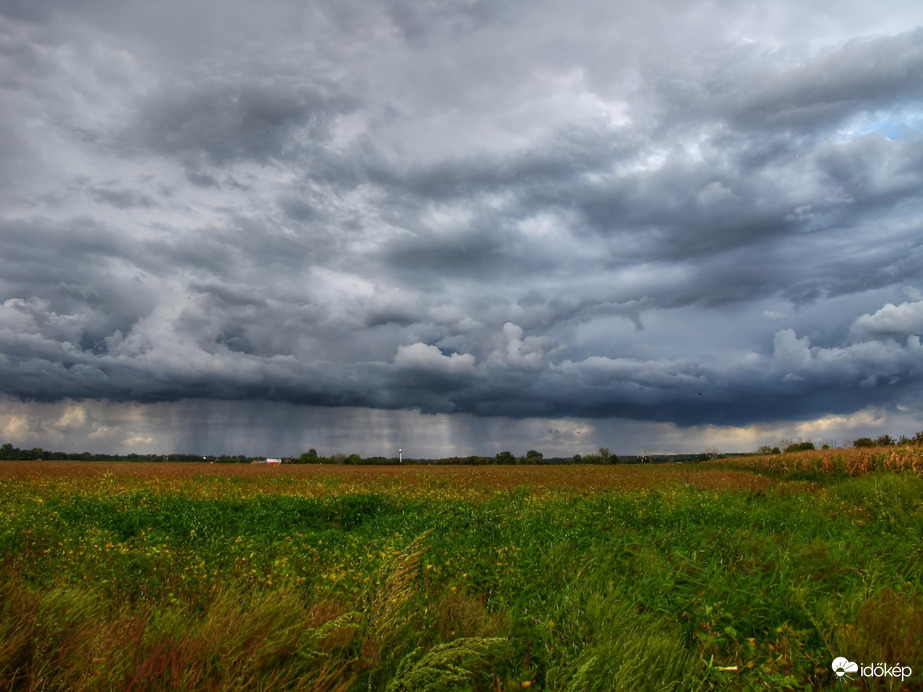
(841, 666)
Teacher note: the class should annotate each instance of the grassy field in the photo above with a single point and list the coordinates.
(752, 573)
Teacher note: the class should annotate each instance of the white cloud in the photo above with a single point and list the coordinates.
(426, 357)
(791, 354)
(516, 352)
(35, 316)
(891, 320)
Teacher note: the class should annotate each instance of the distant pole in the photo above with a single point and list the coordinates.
(400, 456)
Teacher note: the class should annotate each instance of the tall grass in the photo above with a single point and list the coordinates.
(133, 585)
(837, 462)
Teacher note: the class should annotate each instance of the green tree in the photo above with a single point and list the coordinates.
(800, 447)
(505, 457)
(309, 457)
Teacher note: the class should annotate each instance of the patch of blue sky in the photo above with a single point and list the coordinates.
(895, 125)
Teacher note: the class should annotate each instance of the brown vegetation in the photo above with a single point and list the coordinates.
(467, 481)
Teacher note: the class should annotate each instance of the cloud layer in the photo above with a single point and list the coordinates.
(697, 215)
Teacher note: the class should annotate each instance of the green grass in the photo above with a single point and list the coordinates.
(112, 585)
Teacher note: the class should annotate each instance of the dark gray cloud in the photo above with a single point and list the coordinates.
(863, 75)
(705, 215)
(217, 121)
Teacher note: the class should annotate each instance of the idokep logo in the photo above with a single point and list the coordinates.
(843, 666)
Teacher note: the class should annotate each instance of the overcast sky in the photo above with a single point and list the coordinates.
(459, 226)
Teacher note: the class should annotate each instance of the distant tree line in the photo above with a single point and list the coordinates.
(602, 456)
(786, 446)
(10, 453)
(507, 458)
(888, 441)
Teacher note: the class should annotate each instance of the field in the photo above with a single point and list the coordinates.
(752, 573)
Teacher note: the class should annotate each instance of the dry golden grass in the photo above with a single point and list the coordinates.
(461, 481)
(853, 462)
(747, 474)
(732, 473)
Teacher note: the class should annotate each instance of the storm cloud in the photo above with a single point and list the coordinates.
(700, 215)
